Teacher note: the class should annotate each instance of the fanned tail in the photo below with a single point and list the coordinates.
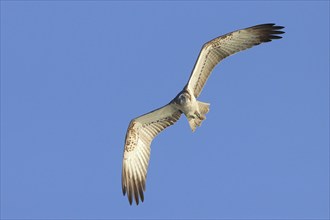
(203, 108)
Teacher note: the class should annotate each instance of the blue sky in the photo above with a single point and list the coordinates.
(73, 74)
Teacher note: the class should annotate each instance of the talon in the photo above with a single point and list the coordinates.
(201, 117)
(191, 117)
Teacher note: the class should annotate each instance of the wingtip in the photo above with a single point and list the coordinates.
(123, 189)
(279, 27)
(275, 37)
(268, 25)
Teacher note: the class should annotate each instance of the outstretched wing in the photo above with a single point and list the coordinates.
(140, 133)
(221, 47)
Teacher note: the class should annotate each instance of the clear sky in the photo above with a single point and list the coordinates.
(73, 74)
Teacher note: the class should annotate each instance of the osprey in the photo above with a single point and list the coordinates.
(142, 130)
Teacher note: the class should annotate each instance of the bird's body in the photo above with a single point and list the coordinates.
(193, 109)
(142, 130)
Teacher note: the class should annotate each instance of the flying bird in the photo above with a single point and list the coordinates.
(142, 130)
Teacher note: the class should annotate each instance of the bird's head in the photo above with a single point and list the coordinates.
(183, 98)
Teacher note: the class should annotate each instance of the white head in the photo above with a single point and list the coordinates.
(183, 98)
